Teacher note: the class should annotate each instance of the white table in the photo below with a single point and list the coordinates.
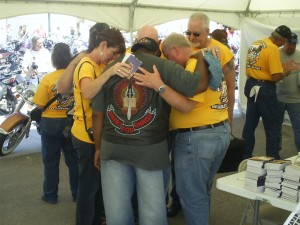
(234, 184)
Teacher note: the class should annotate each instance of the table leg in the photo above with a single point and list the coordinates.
(256, 212)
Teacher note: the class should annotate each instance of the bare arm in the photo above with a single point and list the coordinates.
(201, 67)
(89, 87)
(98, 118)
(172, 97)
(229, 75)
(278, 76)
(65, 82)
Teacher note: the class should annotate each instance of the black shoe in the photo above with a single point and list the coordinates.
(173, 210)
(49, 200)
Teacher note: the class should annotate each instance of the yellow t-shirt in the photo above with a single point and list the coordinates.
(212, 107)
(263, 60)
(226, 54)
(160, 49)
(46, 91)
(88, 68)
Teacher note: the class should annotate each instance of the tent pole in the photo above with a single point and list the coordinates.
(248, 7)
(49, 24)
(131, 19)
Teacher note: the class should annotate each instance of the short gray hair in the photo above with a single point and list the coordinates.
(201, 16)
(175, 39)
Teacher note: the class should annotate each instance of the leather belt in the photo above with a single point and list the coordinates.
(181, 130)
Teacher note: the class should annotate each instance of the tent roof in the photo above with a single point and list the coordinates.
(132, 14)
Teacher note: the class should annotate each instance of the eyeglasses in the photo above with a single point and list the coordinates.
(188, 33)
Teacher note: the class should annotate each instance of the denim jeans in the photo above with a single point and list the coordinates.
(53, 142)
(293, 110)
(173, 192)
(198, 156)
(170, 173)
(266, 107)
(89, 208)
(118, 182)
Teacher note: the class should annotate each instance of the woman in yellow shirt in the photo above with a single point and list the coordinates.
(52, 125)
(104, 47)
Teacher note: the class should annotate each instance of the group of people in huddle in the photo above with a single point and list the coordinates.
(132, 130)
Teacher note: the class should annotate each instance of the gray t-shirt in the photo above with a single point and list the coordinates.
(288, 90)
(136, 121)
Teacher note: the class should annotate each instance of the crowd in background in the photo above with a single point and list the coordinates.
(77, 29)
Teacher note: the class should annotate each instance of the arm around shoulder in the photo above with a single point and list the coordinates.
(202, 69)
(65, 82)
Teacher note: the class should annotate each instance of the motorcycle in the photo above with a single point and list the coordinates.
(17, 125)
(8, 100)
(11, 58)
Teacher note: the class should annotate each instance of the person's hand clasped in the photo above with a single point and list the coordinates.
(290, 66)
(215, 50)
(147, 79)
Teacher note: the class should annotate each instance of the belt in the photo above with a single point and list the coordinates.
(181, 130)
(264, 81)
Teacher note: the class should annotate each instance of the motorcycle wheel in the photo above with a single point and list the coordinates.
(8, 142)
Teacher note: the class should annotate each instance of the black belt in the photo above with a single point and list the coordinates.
(181, 130)
(264, 81)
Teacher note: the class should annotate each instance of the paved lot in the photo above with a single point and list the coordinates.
(21, 179)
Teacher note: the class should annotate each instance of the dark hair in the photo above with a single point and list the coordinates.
(99, 27)
(61, 56)
(94, 30)
(113, 37)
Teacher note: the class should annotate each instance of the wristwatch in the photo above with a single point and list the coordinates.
(161, 89)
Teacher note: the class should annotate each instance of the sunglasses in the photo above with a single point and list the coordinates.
(188, 33)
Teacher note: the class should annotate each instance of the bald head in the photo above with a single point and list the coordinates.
(147, 31)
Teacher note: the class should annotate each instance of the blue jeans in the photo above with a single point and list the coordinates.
(118, 183)
(173, 192)
(53, 142)
(293, 110)
(265, 107)
(89, 208)
(198, 156)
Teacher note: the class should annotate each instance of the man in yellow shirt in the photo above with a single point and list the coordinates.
(264, 69)
(197, 33)
(201, 136)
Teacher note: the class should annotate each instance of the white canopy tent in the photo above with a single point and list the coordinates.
(132, 14)
(255, 18)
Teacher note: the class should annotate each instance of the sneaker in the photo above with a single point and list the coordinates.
(50, 201)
